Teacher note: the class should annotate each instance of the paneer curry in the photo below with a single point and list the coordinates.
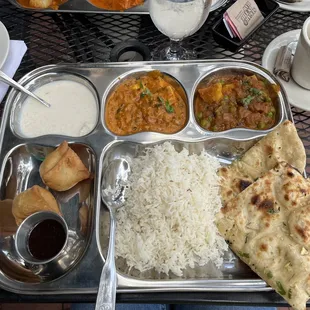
(146, 103)
(233, 101)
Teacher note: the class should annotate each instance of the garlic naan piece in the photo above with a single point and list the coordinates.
(33, 200)
(268, 226)
(62, 169)
(282, 144)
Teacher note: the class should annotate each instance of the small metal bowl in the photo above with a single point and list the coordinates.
(52, 267)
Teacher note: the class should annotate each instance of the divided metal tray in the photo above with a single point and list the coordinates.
(84, 6)
(20, 158)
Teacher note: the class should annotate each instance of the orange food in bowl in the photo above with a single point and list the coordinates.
(116, 5)
(150, 102)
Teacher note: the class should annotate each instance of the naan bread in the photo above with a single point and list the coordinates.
(33, 200)
(282, 144)
(62, 169)
(268, 227)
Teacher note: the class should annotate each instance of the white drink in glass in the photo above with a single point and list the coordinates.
(178, 19)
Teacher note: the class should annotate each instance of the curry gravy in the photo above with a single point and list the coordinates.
(151, 102)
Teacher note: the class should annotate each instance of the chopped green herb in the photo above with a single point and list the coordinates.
(247, 100)
(226, 97)
(289, 293)
(272, 211)
(141, 85)
(161, 99)
(242, 254)
(269, 274)
(168, 106)
(270, 114)
(255, 91)
(281, 289)
(246, 83)
(145, 92)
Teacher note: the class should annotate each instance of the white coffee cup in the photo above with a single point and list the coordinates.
(301, 63)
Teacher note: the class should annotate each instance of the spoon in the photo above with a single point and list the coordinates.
(6, 79)
(113, 190)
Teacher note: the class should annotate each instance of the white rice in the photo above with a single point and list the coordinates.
(168, 222)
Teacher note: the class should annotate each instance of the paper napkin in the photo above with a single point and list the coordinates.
(242, 17)
(15, 56)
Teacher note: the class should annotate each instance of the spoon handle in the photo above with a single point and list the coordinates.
(6, 79)
(107, 286)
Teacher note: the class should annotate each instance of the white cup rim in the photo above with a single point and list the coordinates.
(305, 30)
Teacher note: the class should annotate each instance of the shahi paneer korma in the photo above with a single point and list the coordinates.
(151, 102)
(236, 101)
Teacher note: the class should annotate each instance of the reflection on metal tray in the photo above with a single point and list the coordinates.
(21, 158)
(85, 6)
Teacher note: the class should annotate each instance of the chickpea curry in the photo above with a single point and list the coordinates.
(236, 101)
(146, 103)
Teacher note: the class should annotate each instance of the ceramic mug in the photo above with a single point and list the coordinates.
(301, 63)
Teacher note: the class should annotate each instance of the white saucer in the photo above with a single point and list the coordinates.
(298, 96)
(4, 45)
(303, 6)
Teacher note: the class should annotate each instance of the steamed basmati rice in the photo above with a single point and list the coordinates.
(167, 222)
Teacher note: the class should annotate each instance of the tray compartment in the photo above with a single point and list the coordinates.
(238, 71)
(38, 82)
(21, 171)
(136, 74)
(225, 150)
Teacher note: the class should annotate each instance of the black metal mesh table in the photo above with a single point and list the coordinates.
(55, 38)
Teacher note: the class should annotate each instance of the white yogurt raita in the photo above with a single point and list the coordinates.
(73, 111)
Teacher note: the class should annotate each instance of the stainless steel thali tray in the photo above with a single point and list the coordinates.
(84, 6)
(20, 158)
